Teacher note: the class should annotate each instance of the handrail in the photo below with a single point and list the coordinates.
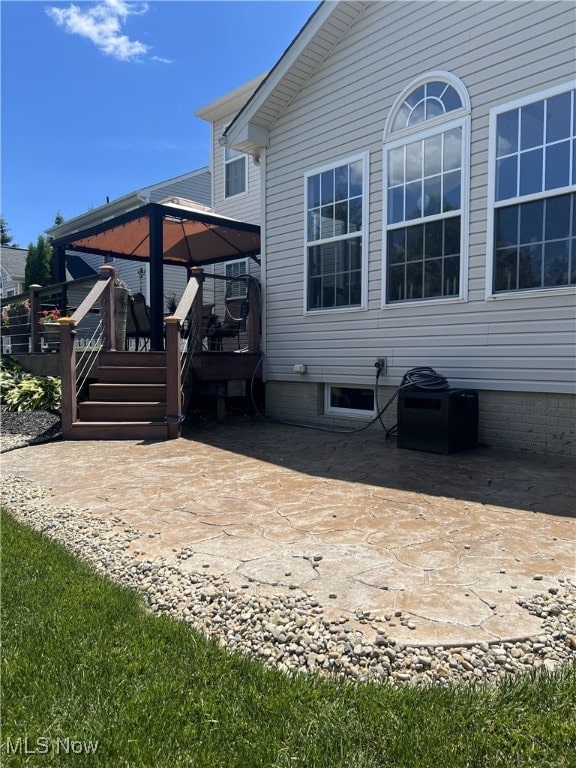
(178, 355)
(104, 290)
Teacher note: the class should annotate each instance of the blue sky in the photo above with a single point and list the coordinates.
(98, 98)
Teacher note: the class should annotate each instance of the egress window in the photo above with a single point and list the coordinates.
(336, 206)
(426, 155)
(533, 193)
(349, 401)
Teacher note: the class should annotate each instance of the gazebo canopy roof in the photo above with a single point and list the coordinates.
(192, 235)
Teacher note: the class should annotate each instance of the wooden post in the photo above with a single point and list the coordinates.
(173, 377)
(69, 408)
(35, 306)
(107, 308)
(254, 319)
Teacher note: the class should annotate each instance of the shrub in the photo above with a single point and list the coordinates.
(22, 391)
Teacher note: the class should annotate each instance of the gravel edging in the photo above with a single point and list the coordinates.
(288, 632)
(22, 428)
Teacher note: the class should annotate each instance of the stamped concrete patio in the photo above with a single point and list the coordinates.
(452, 542)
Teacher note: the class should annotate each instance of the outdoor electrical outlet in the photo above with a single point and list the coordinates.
(381, 363)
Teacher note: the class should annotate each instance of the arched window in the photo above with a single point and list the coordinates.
(426, 176)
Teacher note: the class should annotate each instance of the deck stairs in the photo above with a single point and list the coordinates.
(128, 402)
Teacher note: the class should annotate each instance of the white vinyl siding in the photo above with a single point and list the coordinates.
(512, 343)
(245, 207)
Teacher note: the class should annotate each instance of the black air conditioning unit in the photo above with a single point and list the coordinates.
(439, 422)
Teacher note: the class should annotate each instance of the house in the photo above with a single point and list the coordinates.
(418, 166)
(235, 177)
(12, 266)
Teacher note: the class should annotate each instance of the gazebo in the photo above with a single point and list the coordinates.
(174, 231)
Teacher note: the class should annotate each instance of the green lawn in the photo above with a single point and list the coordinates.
(83, 661)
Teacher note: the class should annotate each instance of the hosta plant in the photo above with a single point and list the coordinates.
(22, 391)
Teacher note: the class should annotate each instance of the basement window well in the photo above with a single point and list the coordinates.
(349, 401)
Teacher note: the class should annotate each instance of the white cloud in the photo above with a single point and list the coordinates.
(162, 60)
(102, 25)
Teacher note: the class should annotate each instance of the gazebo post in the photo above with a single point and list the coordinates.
(156, 220)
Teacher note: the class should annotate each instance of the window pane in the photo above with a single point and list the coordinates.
(416, 96)
(313, 191)
(354, 247)
(335, 274)
(396, 167)
(414, 161)
(396, 283)
(414, 275)
(314, 224)
(451, 191)
(397, 246)
(418, 114)
(401, 119)
(507, 226)
(451, 99)
(506, 177)
(433, 278)
(235, 177)
(415, 243)
(556, 263)
(327, 187)
(530, 267)
(396, 205)
(558, 117)
(433, 155)
(433, 239)
(532, 125)
(327, 222)
(435, 88)
(531, 222)
(356, 178)
(341, 182)
(355, 214)
(574, 160)
(431, 203)
(352, 398)
(451, 276)
(531, 172)
(505, 271)
(452, 236)
(507, 133)
(341, 218)
(413, 195)
(557, 165)
(452, 149)
(557, 217)
(434, 108)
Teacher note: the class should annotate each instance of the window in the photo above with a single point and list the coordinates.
(236, 288)
(349, 401)
(235, 170)
(335, 235)
(533, 192)
(426, 175)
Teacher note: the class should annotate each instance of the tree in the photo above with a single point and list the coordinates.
(38, 269)
(5, 236)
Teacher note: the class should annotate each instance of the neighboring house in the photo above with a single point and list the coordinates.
(12, 266)
(418, 169)
(235, 180)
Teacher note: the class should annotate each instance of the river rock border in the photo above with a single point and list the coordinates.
(290, 632)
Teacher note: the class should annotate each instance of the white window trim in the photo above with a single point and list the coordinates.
(491, 197)
(226, 163)
(365, 158)
(331, 410)
(455, 119)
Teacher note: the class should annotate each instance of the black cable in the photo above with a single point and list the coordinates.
(422, 377)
